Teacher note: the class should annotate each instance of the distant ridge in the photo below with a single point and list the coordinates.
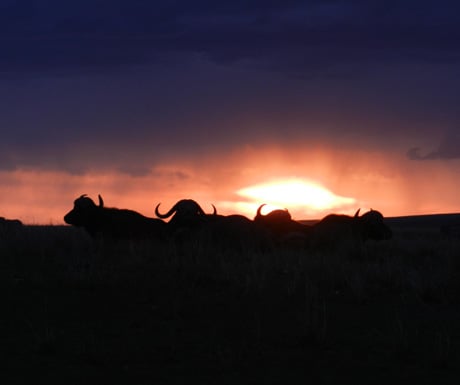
(450, 219)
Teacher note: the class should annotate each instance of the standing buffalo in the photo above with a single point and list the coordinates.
(282, 227)
(113, 222)
(335, 227)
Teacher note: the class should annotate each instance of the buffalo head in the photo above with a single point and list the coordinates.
(372, 226)
(83, 211)
(185, 213)
(183, 208)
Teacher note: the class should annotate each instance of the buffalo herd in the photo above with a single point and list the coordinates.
(187, 220)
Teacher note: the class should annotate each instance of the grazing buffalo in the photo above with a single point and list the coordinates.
(281, 226)
(186, 214)
(100, 221)
(336, 227)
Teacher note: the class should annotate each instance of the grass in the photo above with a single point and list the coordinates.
(77, 311)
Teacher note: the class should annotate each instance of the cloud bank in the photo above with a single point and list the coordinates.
(448, 149)
(289, 35)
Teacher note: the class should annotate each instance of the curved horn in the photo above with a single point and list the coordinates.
(214, 212)
(357, 213)
(259, 210)
(168, 214)
(101, 202)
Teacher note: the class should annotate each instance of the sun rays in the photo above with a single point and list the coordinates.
(295, 193)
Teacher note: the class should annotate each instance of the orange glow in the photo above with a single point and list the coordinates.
(295, 192)
(238, 183)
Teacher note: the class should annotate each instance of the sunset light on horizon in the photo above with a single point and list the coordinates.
(296, 192)
(316, 107)
(236, 184)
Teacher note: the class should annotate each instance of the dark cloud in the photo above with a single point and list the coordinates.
(56, 36)
(448, 149)
(137, 119)
(127, 85)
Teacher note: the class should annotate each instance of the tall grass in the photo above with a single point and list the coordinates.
(395, 299)
(426, 268)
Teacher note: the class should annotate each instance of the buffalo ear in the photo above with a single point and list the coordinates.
(101, 202)
(357, 213)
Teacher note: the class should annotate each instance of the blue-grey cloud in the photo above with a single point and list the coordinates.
(126, 84)
(448, 149)
(56, 36)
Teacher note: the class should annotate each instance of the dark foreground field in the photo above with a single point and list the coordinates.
(81, 312)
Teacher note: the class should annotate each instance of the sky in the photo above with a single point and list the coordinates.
(313, 106)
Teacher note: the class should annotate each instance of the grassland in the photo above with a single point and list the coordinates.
(75, 311)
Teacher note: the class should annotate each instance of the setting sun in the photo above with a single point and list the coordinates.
(295, 192)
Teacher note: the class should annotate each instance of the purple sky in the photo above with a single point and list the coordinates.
(128, 87)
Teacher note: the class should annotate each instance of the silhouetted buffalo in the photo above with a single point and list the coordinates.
(335, 227)
(282, 227)
(186, 214)
(237, 232)
(112, 222)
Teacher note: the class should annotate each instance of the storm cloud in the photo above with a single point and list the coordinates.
(294, 36)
